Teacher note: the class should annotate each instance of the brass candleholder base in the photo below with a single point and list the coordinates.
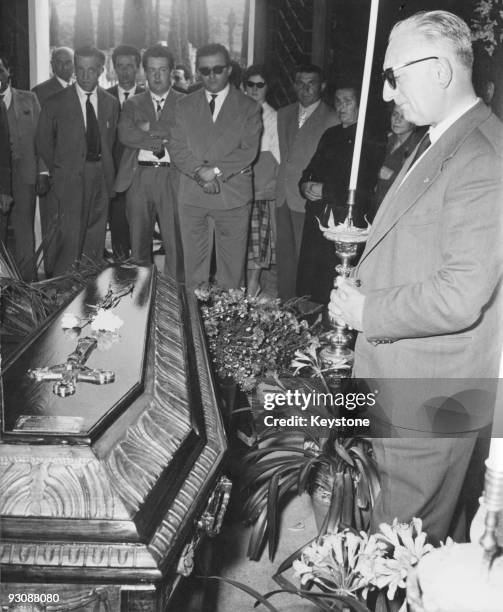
(493, 500)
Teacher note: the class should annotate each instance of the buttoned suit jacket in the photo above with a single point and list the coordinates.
(118, 146)
(46, 89)
(230, 143)
(136, 111)
(297, 147)
(431, 271)
(27, 111)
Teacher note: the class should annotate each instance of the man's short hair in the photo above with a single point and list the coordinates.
(443, 28)
(309, 69)
(186, 71)
(157, 51)
(351, 84)
(212, 49)
(58, 50)
(89, 51)
(126, 50)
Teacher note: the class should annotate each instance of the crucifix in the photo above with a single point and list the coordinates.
(74, 370)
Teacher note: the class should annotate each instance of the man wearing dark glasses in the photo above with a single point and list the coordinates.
(427, 308)
(213, 142)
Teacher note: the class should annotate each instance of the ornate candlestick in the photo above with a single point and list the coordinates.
(493, 500)
(346, 238)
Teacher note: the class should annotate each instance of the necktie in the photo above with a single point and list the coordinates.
(158, 111)
(423, 145)
(92, 132)
(212, 104)
(126, 96)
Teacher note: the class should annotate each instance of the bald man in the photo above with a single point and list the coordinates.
(62, 70)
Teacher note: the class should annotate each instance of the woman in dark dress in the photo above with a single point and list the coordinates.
(324, 184)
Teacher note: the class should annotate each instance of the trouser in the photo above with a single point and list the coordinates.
(230, 229)
(153, 194)
(289, 226)
(119, 226)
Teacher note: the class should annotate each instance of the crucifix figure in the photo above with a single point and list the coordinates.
(73, 370)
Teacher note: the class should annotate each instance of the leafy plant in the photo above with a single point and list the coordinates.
(283, 464)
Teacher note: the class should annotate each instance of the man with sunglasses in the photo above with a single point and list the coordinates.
(428, 308)
(213, 142)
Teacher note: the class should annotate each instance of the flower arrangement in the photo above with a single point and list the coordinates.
(487, 24)
(249, 337)
(350, 564)
(104, 323)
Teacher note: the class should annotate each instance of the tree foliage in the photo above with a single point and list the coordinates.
(105, 26)
(83, 32)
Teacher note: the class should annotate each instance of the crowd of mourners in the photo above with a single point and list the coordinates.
(234, 185)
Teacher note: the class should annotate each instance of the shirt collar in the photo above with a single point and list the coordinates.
(83, 94)
(7, 96)
(156, 98)
(437, 130)
(223, 93)
(64, 84)
(311, 108)
(122, 91)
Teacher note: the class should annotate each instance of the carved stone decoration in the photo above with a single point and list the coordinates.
(34, 486)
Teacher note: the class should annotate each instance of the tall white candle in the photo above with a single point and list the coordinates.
(364, 93)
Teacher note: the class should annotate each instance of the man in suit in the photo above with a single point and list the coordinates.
(75, 138)
(213, 142)
(62, 70)
(300, 127)
(126, 61)
(429, 307)
(146, 171)
(22, 110)
(5, 172)
(181, 79)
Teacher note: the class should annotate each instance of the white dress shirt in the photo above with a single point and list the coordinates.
(64, 84)
(219, 99)
(83, 99)
(270, 140)
(146, 154)
(121, 92)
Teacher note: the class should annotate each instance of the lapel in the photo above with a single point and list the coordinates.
(15, 102)
(75, 108)
(147, 105)
(292, 125)
(104, 114)
(402, 197)
(312, 121)
(227, 114)
(169, 106)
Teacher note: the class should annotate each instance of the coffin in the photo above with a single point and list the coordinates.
(107, 491)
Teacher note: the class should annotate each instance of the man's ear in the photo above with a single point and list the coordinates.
(443, 72)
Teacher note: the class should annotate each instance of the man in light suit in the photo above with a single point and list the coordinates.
(213, 142)
(146, 171)
(300, 127)
(126, 61)
(62, 70)
(22, 110)
(429, 307)
(75, 137)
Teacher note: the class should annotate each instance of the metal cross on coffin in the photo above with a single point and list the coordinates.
(73, 370)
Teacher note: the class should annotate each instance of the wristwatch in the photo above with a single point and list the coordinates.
(217, 171)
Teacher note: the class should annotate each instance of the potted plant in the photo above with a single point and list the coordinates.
(341, 471)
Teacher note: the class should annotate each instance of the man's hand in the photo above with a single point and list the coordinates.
(206, 173)
(346, 304)
(43, 185)
(5, 202)
(311, 190)
(211, 187)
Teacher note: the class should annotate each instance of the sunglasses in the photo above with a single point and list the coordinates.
(251, 84)
(205, 71)
(388, 75)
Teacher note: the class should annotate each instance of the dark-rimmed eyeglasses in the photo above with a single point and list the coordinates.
(205, 71)
(388, 75)
(251, 84)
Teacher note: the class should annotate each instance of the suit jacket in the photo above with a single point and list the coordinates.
(431, 271)
(118, 146)
(230, 143)
(46, 89)
(61, 140)
(5, 183)
(297, 146)
(26, 110)
(137, 115)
